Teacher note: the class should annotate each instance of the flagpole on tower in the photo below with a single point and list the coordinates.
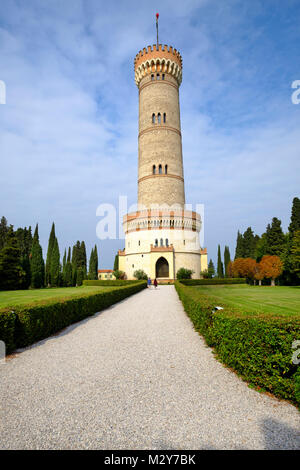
(157, 16)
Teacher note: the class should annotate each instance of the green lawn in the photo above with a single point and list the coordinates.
(267, 299)
(23, 297)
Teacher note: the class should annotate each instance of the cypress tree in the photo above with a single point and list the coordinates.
(295, 217)
(220, 264)
(64, 268)
(83, 258)
(116, 263)
(51, 243)
(37, 262)
(91, 265)
(55, 267)
(12, 276)
(248, 244)
(239, 250)
(3, 232)
(275, 239)
(211, 269)
(226, 259)
(68, 277)
(96, 262)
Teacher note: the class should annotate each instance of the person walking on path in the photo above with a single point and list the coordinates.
(155, 283)
(149, 282)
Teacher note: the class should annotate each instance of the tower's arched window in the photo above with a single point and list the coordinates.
(152, 77)
(157, 76)
(167, 242)
(161, 242)
(153, 118)
(154, 169)
(160, 169)
(165, 117)
(156, 242)
(159, 118)
(163, 76)
(166, 169)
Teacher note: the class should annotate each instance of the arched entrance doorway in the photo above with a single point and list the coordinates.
(162, 267)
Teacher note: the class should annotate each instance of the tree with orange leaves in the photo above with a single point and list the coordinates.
(258, 274)
(271, 267)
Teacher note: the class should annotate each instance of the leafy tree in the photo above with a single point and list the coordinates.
(119, 274)
(37, 262)
(55, 268)
(140, 275)
(184, 273)
(258, 274)
(226, 259)
(239, 250)
(271, 266)
(220, 270)
(51, 243)
(275, 239)
(12, 275)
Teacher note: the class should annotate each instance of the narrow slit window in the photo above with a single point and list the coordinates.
(154, 169)
(163, 76)
(156, 242)
(157, 76)
(166, 169)
(165, 118)
(167, 242)
(161, 242)
(153, 118)
(160, 169)
(152, 77)
(159, 118)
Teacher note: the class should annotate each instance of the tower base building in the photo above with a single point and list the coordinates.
(161, 236)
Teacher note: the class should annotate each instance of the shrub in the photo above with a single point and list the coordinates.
(108, 283)
(140, 275)
(199, 282)
(119, 274)
(257, 346)
(184, 273)
(35, 322)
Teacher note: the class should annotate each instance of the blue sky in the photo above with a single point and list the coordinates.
(68, 132)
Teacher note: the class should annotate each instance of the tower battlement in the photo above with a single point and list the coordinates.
(151, 52)
(164, 59)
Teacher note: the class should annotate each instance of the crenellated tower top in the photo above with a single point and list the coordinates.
(163, 59)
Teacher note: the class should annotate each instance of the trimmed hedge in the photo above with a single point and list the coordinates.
(257, 346)
(7, 329)
(117, 282)
(225, 280)
(32, 323)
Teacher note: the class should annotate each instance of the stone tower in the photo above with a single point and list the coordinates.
(161, 236)
(158, 76)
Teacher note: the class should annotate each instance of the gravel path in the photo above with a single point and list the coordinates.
(135, 376)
